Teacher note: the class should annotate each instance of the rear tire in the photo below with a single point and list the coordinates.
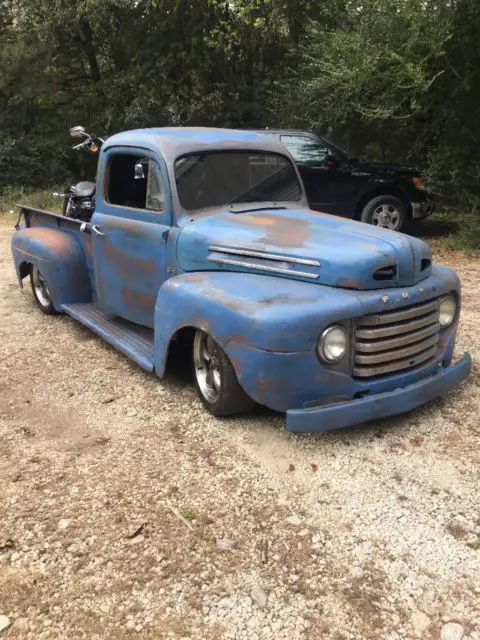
(41, 292)
(215, 378)
(387, 212)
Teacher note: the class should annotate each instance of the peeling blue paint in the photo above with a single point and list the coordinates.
(264, 284)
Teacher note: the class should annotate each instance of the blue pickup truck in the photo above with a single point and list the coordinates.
(204, 237)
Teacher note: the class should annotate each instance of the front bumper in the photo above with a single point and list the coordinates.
(422, 209)
(381, 405)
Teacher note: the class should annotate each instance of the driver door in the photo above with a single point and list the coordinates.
(130, 229)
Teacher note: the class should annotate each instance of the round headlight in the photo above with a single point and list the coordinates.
(448, 310)
(333, 344)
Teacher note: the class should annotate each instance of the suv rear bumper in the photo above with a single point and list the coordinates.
(422, 209)
(381, 405)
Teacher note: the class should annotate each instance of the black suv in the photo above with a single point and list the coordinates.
(383, 194)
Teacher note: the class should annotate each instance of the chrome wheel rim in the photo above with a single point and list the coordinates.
(386, 216)
(41, 290)
(206, 364)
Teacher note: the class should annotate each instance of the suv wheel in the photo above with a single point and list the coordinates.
(388, 212)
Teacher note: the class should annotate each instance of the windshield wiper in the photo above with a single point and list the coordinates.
(258, 208)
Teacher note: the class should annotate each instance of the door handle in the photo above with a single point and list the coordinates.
(96, 230)
(85, 227)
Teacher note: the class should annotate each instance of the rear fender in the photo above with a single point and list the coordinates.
(59, 257)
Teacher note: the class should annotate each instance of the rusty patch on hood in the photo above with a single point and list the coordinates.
(284, 231)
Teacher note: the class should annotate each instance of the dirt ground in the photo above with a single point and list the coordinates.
(127, 512)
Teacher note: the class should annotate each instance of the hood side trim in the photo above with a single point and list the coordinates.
(264, 254)
(263, 267)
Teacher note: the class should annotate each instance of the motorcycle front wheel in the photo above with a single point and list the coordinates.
(67, 207)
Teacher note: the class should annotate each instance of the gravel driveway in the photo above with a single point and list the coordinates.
(128, 512)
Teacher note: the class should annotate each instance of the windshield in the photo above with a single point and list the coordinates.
(219, 178)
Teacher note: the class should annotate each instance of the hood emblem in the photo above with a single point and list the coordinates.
(405, 295)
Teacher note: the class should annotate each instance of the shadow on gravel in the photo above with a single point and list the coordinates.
(179, 372)
(435, 228)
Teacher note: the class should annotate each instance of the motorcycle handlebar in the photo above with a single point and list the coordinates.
(77, 147)
(91, 140)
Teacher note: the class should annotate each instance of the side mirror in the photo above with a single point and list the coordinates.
(77, 132)
(139, 172)
(331, 161)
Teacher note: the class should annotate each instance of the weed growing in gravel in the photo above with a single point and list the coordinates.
(190, 514)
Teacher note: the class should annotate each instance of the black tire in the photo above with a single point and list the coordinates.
(227, 398)
(386, 211)
(41, 293)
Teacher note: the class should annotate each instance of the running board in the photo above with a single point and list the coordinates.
(134, 341)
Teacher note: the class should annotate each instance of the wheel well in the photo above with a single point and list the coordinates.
(381, 192)
(25, 269)
(180, 349)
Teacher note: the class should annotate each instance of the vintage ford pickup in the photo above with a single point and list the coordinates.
(204, 236)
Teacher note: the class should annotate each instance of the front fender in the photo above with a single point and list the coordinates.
(265, 312)
(59, 257)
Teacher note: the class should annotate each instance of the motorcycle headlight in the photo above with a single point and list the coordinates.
(448, 311)
(333, 344)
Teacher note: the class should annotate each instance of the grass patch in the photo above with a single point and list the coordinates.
(39, 198)
(190, 514)
(468, 234)
(454, 230)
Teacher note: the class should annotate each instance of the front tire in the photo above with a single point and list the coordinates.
(387, 212)
(41, 292)
(215, 378)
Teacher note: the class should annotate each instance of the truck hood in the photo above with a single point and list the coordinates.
(303, 245)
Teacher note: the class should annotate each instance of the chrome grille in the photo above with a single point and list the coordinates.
(394, 341)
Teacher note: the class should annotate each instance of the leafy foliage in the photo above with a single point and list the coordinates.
(392, 79)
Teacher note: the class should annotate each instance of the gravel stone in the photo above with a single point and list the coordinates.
(259, 596)
(4, 623)
(378, 540)
(420, 622)
(452, 631)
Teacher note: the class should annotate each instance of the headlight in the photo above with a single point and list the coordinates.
(333, 344)
(448, 310)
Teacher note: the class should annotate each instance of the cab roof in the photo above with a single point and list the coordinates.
(172, 142)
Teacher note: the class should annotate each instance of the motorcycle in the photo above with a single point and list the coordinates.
(79, 199)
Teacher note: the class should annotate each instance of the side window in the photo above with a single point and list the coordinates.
(305, 150)
(135, 182)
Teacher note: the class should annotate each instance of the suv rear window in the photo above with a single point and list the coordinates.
(305, 150)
